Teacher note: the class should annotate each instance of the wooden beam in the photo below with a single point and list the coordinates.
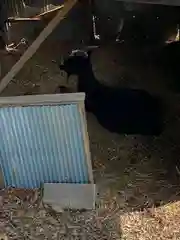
(43, 99)
(23, 19)
(37, 17)
(36, 44)
(160, 2)
(51, 11)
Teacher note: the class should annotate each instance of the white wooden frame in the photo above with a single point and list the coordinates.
(75, 196)
(50, 99)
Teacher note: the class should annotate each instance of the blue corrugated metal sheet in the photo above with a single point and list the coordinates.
(42, 144)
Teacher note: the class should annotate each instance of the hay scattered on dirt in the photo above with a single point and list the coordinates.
(133, 172)
(155, 223)
(24, 216)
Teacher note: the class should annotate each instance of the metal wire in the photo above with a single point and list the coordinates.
(16, 8)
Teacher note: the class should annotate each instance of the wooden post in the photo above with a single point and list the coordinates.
(160, 2)
(36, 44)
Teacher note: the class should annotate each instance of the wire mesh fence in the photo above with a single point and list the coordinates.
(23, 8)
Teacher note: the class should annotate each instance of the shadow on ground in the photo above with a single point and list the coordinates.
(142, 172)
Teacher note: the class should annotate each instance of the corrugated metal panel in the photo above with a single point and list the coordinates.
(42, 144)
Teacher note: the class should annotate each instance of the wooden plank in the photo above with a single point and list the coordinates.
(160, 2)
(50, 11)
(2, 183)
(38, 17)
(49, 99)
(73, 196)
(23, 19)
(36, 44)
(86, 141)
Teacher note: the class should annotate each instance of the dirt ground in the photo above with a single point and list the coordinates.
(137, 177)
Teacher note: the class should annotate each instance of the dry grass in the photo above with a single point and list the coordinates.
(24, 216)
(155, 223)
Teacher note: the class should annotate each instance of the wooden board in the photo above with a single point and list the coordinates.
(11, 19)
(161, 2)
(38, 17)
(67, 98)
(73, 196)
(50, 11)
